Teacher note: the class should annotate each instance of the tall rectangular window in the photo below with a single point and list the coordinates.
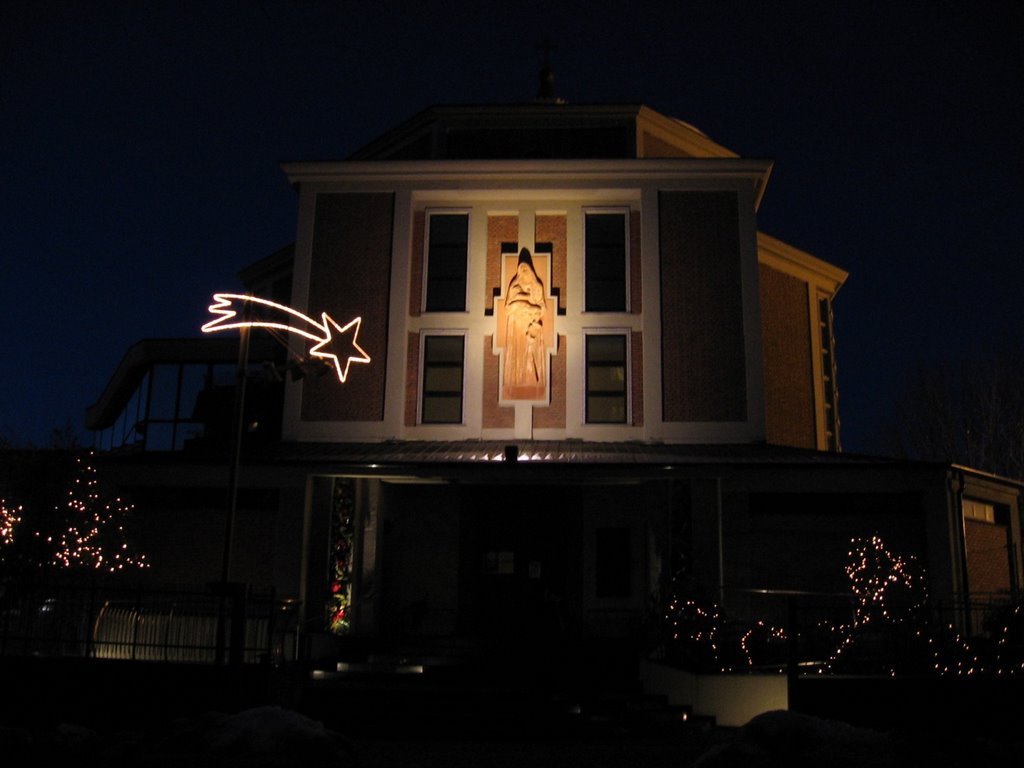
(828, 372)
(447, 252)
(443, 360)
(606, 379)
(605, 262)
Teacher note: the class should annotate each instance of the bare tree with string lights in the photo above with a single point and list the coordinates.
(95, 536)
(887, 632)
(10, 519)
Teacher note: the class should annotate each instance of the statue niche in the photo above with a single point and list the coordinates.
(525, 329)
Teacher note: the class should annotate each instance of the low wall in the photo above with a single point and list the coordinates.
(732, 699)
(976, 705)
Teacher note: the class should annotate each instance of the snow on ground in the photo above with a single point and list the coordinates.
(796, 740)
(275, 737)
(263, 737)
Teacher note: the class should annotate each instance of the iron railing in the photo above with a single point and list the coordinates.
(61, 619)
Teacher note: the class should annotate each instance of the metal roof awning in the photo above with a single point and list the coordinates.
(555, 452)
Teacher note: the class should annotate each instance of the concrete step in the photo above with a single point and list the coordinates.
(379, 697)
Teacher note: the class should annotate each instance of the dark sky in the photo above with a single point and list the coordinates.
(140, 151)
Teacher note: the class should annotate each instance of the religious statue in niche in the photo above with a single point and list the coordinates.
(525, 329)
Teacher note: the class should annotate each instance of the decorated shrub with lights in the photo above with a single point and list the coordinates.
(887, 632)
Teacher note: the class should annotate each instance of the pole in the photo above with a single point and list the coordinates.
(233, 471)
(236, 451)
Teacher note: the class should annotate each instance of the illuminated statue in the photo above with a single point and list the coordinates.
(524, 328)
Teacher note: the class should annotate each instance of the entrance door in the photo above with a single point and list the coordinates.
(522, 574)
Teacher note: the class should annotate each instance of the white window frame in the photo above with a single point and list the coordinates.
(429, 213)
(625, 212)
(421, 384)
(979, 511)
(627, 366)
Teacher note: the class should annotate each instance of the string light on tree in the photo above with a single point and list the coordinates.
(890, 604)
(762, 635)
(694, 630)
(96, 536)
(878, 577)
(892, 629)
(10, 517)
(889, 594)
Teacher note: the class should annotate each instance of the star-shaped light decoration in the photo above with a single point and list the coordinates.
(334, 341)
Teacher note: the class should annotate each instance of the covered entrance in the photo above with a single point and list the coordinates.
(521, 585)
(535, 577)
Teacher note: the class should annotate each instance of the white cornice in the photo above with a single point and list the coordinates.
(678, 133)
(511, 174)
(519, 170)
(785, 258)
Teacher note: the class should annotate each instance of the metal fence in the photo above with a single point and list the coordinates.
(185, 626)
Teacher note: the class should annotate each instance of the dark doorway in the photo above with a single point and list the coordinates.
(521, 578)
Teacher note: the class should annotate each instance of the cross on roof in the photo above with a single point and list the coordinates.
(546, 46)
(546, 90)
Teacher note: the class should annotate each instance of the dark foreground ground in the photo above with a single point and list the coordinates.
(160, 715)
(171, 745)
(272, 736)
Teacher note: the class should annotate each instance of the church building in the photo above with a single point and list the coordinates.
(526, 371)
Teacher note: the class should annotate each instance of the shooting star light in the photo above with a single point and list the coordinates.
(328, 335)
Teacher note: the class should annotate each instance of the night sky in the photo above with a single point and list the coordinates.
(141, 143)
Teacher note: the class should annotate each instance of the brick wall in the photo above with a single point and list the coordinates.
(636, 376)
(703, 352)
(350, 276)
(635, 265)
(788, 372)
(494, 416)
(500, 229)
(988, 561)
(553, 415)
(551, 229)
(412, 378)
(419, 226)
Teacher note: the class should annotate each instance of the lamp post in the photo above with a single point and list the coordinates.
(273, 316)
(238, 428)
